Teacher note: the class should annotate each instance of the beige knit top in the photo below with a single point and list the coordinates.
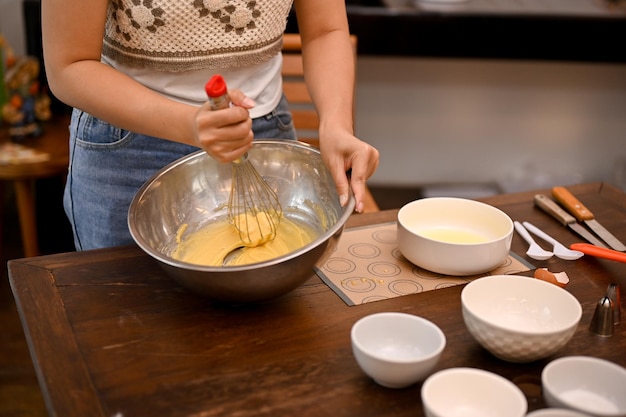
(183, 35)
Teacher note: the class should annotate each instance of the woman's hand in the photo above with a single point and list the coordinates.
(344, 152)
(225, 134)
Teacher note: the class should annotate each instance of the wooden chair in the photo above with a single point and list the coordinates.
(304, 114)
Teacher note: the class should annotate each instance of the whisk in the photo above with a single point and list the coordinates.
(253, 206)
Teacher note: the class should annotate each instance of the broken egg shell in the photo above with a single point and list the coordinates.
(557, 278)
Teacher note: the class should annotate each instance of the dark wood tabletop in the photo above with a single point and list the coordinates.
(111, 335)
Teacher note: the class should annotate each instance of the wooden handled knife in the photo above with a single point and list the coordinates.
(552, 208)
(583, 214)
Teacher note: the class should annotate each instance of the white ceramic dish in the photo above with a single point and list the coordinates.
(469, 392)
(556, 412)
(454, 236)
(519, 319)
(396, 349)
(586, 384)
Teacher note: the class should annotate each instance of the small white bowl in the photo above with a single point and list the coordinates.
(519, 319)
(469, 392)
(396, 349)
(556, 412)
(454, 236)
(586, 384)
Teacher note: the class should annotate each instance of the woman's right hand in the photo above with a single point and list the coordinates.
(225, 134)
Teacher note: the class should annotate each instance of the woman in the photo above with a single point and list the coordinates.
(139, 101)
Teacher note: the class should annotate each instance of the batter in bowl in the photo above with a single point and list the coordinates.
(211, 244)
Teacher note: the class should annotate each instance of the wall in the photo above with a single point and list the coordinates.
(518, 124)
(11, 25)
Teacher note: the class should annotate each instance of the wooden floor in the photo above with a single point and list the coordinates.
(19, 389)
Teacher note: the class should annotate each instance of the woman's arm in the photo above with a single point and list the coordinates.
(72, 42)
(329, 70)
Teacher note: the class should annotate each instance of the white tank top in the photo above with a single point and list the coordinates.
(261, 82)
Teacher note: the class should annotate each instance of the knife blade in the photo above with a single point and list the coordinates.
(583, 214)
(552, 208)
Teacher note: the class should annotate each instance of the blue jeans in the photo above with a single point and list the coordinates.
(108, 165)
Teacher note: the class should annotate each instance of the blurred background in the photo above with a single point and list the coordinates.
(470, 126)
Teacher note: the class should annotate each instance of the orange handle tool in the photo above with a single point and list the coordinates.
(599, 252)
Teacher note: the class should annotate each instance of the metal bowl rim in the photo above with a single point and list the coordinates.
(161, 257)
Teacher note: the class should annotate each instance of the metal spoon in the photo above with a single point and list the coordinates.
(559, 250)
(534, 250)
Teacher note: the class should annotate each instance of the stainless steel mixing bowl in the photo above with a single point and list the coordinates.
(194, 190)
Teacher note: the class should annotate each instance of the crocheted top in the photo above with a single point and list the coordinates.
(171, 35)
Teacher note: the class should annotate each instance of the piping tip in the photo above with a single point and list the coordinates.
(613, 292)
(602, 321)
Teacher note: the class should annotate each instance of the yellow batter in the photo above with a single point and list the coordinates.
(211, 244)
(256, 229)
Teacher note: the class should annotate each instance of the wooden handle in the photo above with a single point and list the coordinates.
(549, 206)
(571, 203)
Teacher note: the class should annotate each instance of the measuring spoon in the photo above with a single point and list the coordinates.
(559, 250)
(534, 250)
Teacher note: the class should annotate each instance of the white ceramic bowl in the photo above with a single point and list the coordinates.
(396, 349)
(469, 392)
(556, 412)
(454, 236)
(519, 319)
(590, 385)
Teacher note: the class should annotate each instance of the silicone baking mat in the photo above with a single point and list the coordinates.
(368, 266)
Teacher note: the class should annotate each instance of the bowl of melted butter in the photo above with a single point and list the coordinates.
(180, 218)
(454, 236)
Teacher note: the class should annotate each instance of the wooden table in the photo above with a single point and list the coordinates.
(111, 335)
(55, 142)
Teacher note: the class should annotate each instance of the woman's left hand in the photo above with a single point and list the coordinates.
(343, 153)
